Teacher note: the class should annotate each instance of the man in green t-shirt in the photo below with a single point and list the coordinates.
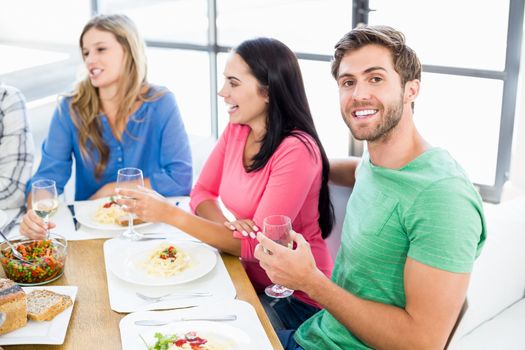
(414, 223)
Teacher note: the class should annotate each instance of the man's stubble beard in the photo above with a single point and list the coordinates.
(391, 115)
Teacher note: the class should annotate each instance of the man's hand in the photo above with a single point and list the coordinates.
(295, 269)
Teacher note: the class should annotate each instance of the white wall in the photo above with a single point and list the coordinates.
(57, 27)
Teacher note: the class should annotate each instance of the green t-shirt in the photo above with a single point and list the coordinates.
(427, 210)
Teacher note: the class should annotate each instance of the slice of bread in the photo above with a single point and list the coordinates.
(44, 305)
(13, 304)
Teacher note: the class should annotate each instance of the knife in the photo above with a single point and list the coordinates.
(9, 226)
(151, 239)
(71, 208)
(181, 319)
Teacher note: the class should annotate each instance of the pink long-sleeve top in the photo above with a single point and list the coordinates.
(289, 184)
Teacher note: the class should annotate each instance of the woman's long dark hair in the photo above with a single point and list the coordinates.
(276, 68)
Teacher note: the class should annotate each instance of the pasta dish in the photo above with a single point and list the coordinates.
(109, 213)
(166, 260)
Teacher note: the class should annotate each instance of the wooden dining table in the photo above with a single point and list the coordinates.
(94, 325)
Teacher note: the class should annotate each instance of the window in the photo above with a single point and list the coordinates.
(470, 62)
(186, 74)
(448, 116)
(184, 21)
(439, 32)
(39, 45)
(469, 86)
(299, 24)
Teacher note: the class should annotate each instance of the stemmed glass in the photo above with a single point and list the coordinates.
(44, 200)
(130, 178)
(278, 228)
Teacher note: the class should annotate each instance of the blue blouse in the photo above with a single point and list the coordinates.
(154, 140)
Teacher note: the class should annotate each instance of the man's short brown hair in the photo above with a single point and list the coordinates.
(406, 62)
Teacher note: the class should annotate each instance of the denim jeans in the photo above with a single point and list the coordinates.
(287, 340)
(286, 313)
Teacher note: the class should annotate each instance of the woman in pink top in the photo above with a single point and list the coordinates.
(269, 160)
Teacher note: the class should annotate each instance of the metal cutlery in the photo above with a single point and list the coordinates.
(192, 240)
(181, 319)
(149, 239)
(15, 252)
(143, 238)
(71, 208)
(153, 299)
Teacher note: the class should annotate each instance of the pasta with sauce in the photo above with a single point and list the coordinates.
(166, 260)
(109, 213)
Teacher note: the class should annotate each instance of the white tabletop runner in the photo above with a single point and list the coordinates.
(122, 297)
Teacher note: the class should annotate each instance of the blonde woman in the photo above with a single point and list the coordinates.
(113, 119)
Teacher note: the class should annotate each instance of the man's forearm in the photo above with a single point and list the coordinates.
(342, 171)
(379, 325)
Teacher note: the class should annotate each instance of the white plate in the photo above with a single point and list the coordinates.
(3, 219)
(247, 321)
(47, 332)
(226, 337)
(85, 213)
(125, 263)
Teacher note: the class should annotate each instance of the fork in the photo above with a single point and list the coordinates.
(152, 299)
(15, 252)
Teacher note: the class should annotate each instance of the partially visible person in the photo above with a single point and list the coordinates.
(269, 160)
(16, 148)
(113, 119)
(414, 222)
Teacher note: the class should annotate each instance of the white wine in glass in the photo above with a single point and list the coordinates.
(130, 178)
(44, 200)
(278, 228)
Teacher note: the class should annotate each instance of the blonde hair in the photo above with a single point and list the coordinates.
(85, 104)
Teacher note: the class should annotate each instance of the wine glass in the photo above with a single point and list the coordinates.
(44, 200)
(277, 228)
(130, 178)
